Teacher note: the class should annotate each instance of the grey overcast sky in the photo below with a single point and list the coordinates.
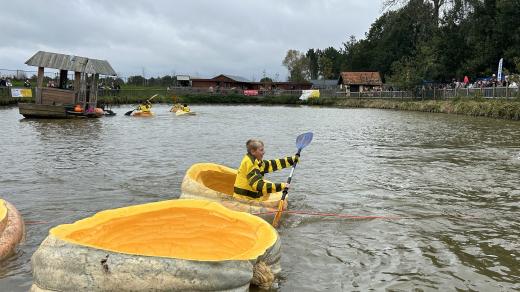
(198, 37)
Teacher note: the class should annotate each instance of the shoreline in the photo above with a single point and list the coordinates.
(498, 108)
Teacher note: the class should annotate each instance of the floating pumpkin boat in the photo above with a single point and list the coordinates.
(168, 246)
(215, 182)
(138, 113)
(12, 229)
(184, 113)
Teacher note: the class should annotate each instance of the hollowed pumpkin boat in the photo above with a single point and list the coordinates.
(168, 246)
(215, 182)
(183, 113)
(142, 114)
(12, 229)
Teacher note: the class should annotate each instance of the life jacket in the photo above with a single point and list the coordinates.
(145, 107)
(250, 183)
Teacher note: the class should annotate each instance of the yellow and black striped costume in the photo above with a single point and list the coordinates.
(250, 181)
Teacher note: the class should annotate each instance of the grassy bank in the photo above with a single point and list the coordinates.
(493, 108)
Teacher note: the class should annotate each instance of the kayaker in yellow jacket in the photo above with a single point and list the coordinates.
(145, 106)
(250, 182)
(186, 108)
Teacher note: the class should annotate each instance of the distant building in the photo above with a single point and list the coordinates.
(223, 81)
(226, 81)
(360, 81)
(289, 85)
(182, 80)
(324, 83)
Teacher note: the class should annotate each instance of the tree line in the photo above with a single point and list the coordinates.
(417, 41)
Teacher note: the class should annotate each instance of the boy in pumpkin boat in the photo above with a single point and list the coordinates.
(250, 183)
(186, 108)
(145, 107)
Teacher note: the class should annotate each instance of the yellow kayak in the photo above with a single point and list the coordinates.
(215, 182)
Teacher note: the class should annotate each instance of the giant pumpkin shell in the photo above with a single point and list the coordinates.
(171, 245)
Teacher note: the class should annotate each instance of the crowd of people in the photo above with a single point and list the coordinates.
(507, 81)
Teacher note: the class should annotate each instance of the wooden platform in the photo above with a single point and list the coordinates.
(45, 111)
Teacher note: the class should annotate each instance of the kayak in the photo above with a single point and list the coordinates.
(215, 182)
(174, 245)
(142, 114)
(183, 113)
(12, 229)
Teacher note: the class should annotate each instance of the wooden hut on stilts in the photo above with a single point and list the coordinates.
(64, 101)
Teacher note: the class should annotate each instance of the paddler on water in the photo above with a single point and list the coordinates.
(250, 183)
(145, 107)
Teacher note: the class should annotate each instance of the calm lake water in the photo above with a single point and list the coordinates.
(454, 181)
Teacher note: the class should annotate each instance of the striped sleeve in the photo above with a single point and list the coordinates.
(276, 164)
(257, 182)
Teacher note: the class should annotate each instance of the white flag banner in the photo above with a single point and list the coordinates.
(499, 74)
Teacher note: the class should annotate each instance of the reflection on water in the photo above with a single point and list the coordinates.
(453, 180)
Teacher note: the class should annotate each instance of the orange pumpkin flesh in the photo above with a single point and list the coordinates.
(181, 229)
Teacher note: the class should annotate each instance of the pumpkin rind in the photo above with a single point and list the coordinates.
(63, 263)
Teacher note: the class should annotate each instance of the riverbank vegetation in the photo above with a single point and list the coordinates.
(496, 108)
(476, 106)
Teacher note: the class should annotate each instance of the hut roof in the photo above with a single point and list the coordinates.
(233, 77)
(361, 78)
(71, 63)
(324, 83)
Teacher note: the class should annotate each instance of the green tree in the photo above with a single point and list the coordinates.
(312, 56)
(326, 67)
(136, 80)
(266, 80)
(298, 66)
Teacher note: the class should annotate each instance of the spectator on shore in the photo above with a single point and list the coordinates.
(8, 82)
(2, 82)
(27, 84)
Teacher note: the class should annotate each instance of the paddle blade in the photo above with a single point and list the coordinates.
(303, 140)
(129, 113)
(278, 214)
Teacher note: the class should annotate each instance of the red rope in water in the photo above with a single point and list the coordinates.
(311, 213)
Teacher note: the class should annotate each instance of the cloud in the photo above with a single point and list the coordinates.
(202, 37)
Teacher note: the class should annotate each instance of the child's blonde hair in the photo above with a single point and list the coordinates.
(253, 144)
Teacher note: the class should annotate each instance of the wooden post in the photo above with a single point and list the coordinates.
(93, 91)
(39, 85)
(63, 79)
(77, 84)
